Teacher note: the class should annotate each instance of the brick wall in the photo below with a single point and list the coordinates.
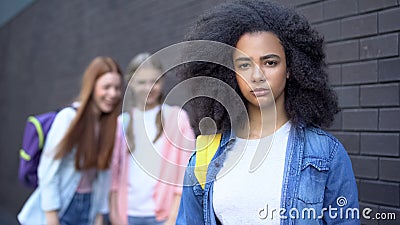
(44, 50)
(362, 46)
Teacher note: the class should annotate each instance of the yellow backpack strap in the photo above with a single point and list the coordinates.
(206, 147)
(39, 130)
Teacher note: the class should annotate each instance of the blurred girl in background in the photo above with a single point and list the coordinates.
(73, 170)
(146, 189)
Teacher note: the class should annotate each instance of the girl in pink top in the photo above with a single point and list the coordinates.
(152, 147)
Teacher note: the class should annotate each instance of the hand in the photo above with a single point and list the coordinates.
(174, 210)
(52, 218)
(99, 219)
(115, 220)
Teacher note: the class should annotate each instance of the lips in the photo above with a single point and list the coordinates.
(110, 103)
(259, 92)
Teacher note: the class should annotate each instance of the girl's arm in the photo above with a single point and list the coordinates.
(116, 170)
(99, 219)
(48, 166)
(114, 213)
(174, 210)
(52, 218)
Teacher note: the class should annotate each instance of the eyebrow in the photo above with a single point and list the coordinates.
(243, 59)
(269, 56)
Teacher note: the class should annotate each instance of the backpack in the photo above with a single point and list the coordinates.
(206, 147)
(36, 130)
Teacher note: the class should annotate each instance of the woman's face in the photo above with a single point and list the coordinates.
(147, 89)
(261, 69)
(107, 92)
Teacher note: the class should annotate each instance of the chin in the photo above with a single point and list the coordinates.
(268, 105)
(106, 110)
(151, 102)
(264, 104)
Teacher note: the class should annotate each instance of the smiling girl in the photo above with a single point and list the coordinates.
(73, 169)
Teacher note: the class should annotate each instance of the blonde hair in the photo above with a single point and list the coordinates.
(143, 60)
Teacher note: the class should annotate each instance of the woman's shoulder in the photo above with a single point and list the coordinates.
(170, 110)
(319, 142)
(320, 134)
(67, 113)
(123, 116)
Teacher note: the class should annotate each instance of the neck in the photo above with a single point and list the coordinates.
(97, 112)
(145, 107)
(263, 121)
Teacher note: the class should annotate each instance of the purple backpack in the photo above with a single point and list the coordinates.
(35, 134)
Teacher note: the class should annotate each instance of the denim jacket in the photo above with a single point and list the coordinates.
(318, 177)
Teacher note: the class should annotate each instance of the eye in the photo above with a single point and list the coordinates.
(244, 66)
(270, 63)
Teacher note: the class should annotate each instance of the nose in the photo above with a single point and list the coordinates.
(114, 92)
(257, 75)
(149, 85)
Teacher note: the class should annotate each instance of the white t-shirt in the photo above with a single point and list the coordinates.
(141, 181)
(240, 194)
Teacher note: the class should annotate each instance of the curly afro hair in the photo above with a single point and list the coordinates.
(308, 98)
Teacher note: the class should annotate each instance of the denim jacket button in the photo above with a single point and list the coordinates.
(292, 171)
(216, 164)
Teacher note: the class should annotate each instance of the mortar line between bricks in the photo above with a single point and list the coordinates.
(380, 204)
(379, 166)
(376, 83)
(354, 84)
(376, 132)
(378, 34)
(308, 4)
(369, 107)
(362, 60)
(352, 38)
(366, 83)
(364, 131)
(379, 181)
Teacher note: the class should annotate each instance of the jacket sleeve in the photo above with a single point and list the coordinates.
(48, 175)
(116, 161)
(341, 190)
(191, 206)
(187, 141)
(103, 188)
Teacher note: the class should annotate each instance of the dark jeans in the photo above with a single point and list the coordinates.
(78, 210)
(146, 220)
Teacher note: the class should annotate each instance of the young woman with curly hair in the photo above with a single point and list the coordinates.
(279, 73)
